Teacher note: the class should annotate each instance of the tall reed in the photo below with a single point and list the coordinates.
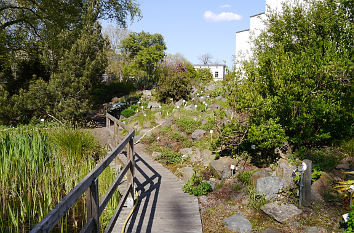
(38, 167)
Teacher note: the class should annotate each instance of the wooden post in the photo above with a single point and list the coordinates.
(306, 196)
(108, 122)
(115, 130)
(130, 173)
(92, 205)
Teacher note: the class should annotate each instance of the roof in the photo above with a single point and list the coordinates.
(209, 65)
(257, 14)
(242, 31)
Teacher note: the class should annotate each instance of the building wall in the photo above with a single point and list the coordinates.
(220, 69)
(244, 38)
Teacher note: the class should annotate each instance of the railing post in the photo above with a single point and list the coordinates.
(108, 122)
(130, 173)
(115, 137)
(92, 205)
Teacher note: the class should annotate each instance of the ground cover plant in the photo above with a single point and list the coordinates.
(38, 167)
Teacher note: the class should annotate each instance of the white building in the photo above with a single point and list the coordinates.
(217, 70)
(243, 38)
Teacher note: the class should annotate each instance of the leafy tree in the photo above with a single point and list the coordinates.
(301, 74)
(145, 51)
(175, 82)
(204, 75)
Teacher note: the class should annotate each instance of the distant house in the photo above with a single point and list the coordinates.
(217, 70)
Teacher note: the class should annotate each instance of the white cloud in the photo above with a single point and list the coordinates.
(225, 6)
(223, 16)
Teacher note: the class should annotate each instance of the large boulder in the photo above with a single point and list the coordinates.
(270, 186)
(212, 107)
(154, 104)
(313, 229)
(179, 103)
(284, 170)
(207, 157)
(280, 211)
(238, 223)
(198, 134)
(260, 174)
(187, 173)
(221, 168)
(186, 152)
(320, 187)
(147, 93)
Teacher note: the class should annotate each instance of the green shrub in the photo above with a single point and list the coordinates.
(350, 224)
(175, 82)
(187, 124)
(169, 157)
(245, 177)
(204, 75)
(196, 187)
(256, 201)
(300, 81)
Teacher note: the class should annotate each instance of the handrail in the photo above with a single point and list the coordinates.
(89, 186)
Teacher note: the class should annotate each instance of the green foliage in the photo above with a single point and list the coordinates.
(266, 136)
(144, 51)
(129, 111)
(350, 224)
(204, 75)
(301, 74)
(38, 167)
(105, 93)
(245, 177)
(187, 124)
(174, 82)
(196, 187)
(315, 175)
(168, 156)
(256, 201)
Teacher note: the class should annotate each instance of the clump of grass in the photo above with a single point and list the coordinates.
(187, 124)
(38, 167)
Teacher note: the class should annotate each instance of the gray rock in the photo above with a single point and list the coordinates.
(214, 106)
(343, 166)
(210, 87)
(207, 157)
(221, 168)
(186, 151)
(320, 187)
(218, 97)
(198, 134)
(196, 155)
(271, 230)
(190, 107)
(238, 223)
(179, 103)
(280, 211)
(270, 186)
(187, 173)
(314, 229)
(155, 154)
(154, 105)
(284, 170)
(147, 92)
(167, 122)
(259, 174)
(147, 132)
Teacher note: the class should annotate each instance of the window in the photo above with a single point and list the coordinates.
(216, 74)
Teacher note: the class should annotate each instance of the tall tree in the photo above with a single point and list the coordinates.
(205, 58)
(144, 50)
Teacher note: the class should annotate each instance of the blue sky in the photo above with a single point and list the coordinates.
(196, 27)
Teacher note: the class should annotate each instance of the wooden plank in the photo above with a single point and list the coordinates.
(92, 205)
(113, 188)
(51, 219)
(118, 210)
(88, 226)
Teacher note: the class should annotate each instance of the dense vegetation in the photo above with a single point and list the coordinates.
(51, 63)
(298, 87)
(38, 167)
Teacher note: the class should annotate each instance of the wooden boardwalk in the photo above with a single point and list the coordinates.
(163, 206)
